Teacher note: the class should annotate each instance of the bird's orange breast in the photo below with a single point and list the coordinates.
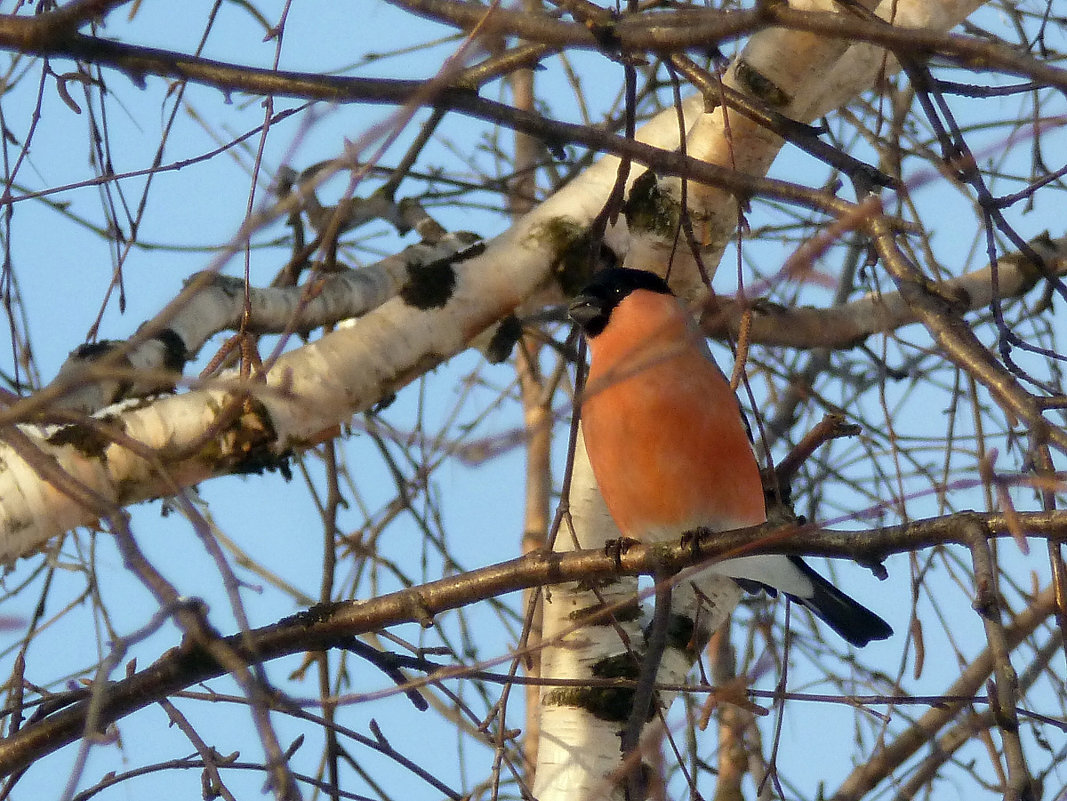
(663, 430)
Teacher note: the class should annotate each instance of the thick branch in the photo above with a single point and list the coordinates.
(103, 373)
(332, 625)
(198, 435)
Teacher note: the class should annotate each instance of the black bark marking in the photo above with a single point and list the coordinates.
(430, 286)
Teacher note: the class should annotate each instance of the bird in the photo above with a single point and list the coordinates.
(669, 445)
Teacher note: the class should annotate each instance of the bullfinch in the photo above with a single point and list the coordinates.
(669, 446)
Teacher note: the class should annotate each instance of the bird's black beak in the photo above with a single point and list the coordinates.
(584, 309)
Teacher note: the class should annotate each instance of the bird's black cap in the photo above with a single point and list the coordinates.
(592, 307)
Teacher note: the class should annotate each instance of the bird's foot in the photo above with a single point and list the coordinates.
(691, 541)
(616, 548)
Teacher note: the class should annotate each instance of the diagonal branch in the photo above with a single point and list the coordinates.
(958, 342)
(917, 737)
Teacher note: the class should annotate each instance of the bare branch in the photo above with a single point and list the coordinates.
(849, 324)
(331, 625)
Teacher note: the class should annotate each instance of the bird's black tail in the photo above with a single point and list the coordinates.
(853, 621)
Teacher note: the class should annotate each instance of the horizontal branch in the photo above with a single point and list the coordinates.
(849, 324)
(663, 31)
(334, 625)
(688, 29)
(219, 305)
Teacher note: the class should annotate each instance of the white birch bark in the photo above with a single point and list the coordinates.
(799, 75)
(307, 391)
(187, 438)
(579, 753)
(217, 303)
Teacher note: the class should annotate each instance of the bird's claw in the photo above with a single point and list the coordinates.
(691, 541)
(616, 548)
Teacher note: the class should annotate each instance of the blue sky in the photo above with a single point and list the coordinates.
(63, 267)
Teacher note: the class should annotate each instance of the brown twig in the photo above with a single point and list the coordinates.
(958, 342)
(882, 764)
(832, 426)
(1020, 785)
